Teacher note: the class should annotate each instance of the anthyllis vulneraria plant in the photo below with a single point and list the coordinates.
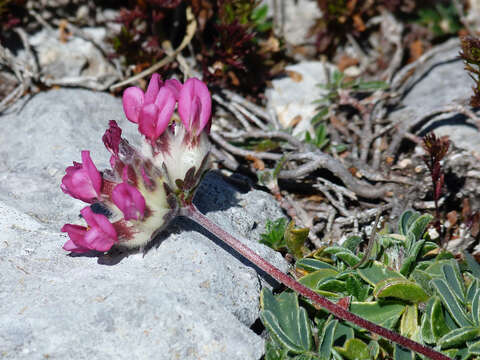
(147, 187)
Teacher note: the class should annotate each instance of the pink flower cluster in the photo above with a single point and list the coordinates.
(140, 192)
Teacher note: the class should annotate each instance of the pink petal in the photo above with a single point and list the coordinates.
(153, 88)
(129, 200)
(174, 86)
(96, 239)
(104, 233)
(112, 137)
(77, 235)
(133, 99)
(70, 246)
(148, 120)
(82, 181)
(194, 105)
(92, 171)
(166, 103)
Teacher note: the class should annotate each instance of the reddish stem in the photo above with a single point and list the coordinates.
(193, 213)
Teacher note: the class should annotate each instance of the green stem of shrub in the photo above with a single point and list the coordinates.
(193, 213)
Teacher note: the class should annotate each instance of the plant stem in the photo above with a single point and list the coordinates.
(193, 213)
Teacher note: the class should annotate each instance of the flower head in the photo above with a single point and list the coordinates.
(145, 187)
(82, 181)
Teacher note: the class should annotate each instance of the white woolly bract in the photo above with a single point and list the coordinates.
(182, 155)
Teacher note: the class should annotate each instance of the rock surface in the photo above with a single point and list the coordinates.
(299, 16)
(74, 61)
(292, 98)
(441, 82)
(187, 298)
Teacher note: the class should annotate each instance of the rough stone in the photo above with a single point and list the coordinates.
(299, 18)
(292, 98)
(73, 59)
(186, 298)
(439, 83)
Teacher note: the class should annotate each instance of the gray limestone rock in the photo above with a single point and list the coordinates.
(292, 98)
(75, 61)
(186, 298)
(441, 82)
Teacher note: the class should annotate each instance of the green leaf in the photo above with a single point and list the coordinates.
(474, 348)
(410, 262)
(273, 351)
(311, 280)
(426, 326)
(333, 250)
(375, 271)
(476, 308)
(295, 239)
(437, 319)
(348, 258)
(326, 339)
(259, 14)
(274, 234)
(352, 243)
(343, 332)
(400, 289)
(409, 321)
(374, 349)
(401, 353)
(406, 220)
(418, 227)
(454, 281)
(423, 279)
(309, 264)
(354, 349)
(451, 302)
(333, 285)
(372, 85)
(384, 313)
(319, 116)
(472, 265)
(472, 290)
(286, 321)
(356, 288)
(459, 336)
(435, 270)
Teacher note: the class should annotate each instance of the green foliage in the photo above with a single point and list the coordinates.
(280, 236)
(336, 82)
(320, 139)
(273, 237)
(440, 19)
(409, 285)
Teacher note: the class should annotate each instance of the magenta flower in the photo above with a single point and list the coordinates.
(154, 109)
(134, 99)
(100, 234)
(194, 105)
(154, 118)
(82, 181)
(128, 199)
